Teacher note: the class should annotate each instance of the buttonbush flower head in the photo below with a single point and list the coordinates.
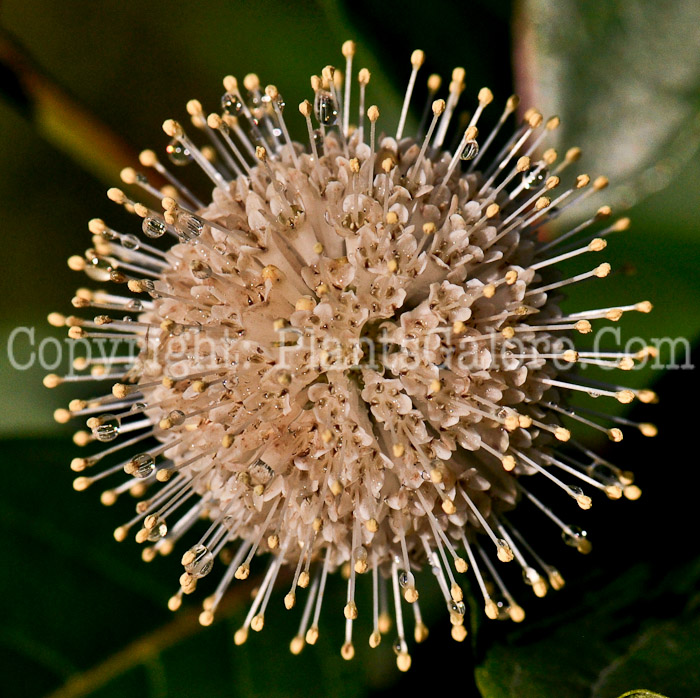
(350, 356)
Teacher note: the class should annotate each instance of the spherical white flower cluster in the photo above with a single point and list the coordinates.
(352, 356)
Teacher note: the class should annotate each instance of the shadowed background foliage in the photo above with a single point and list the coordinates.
(85, 617)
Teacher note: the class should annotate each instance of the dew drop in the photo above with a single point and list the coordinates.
(534, 176)
(457, 607)
(150, 287)
(573, 536)
(360, 553)
(160, 530)
(131, 242)
(470, 150)
(153, 228)
(99, 269)
(134, 304)
(108, 234)
(108, 429)
(177, 417)
(145, 465)
(194, 226)
(406, 579)
(325, 108)
(177, 153)
(231, 104)
(202, 563)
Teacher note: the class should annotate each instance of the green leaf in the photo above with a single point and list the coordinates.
(630, 613)
(607, 647)
(625, 78)
(84, 616)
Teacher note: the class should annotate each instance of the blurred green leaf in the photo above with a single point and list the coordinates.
(630, 613)
(625, 78)
(84, 616)
(602, 650)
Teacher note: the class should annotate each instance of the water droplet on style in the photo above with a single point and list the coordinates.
(202, 563)
(457, 607)
(131, 242)
(194, 226)
(177, 153)
(470, 151)
(177, 417)
(160, 530)
(108, 429)
(360, 553)
(534, 176)
(153, 228)
(325, 108)
(406, 579)
(145, 465)
(573, 536)
(231, 104)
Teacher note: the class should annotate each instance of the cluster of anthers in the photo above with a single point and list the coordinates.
(256, 400)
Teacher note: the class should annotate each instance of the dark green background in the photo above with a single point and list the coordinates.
(622, 73)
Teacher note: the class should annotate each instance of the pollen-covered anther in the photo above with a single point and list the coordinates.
(410, 594)
(562, 434)
(505, 552)
(403, 661)
(583, 501)
(305, 303)
(613, 491)
(632, 492)
(508, 463)
(242, 572)
(516, 613)
(81, 483)
(491, 609)
(615, 434)
(625, 396)
(347, 651)
(51, 380)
